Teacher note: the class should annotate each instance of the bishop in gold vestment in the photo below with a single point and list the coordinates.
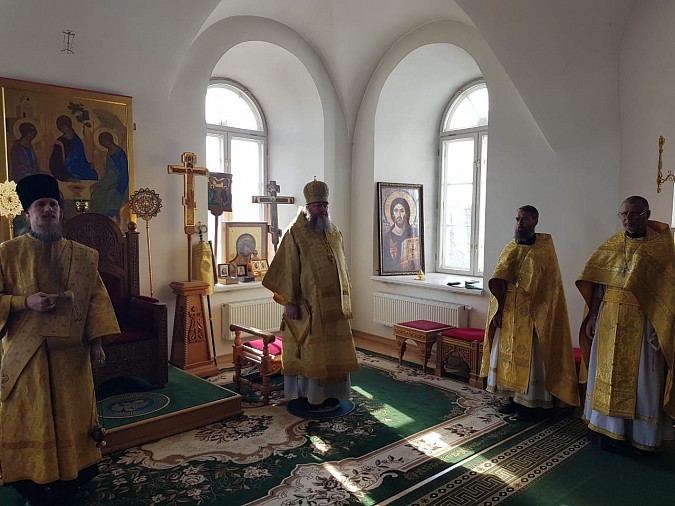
(309, 277)
(627, 337)
(528, 349)
(54, 310)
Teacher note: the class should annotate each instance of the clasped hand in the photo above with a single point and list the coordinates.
(41, 301)
(292, 311)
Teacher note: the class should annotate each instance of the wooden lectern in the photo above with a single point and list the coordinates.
(190, 348)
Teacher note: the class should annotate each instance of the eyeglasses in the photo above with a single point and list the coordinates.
(631, 215)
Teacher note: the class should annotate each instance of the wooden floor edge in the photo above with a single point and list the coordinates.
(152, 429)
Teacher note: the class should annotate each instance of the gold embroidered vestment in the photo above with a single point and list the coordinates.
(639, 276)
(47, 406)
(310, 271)
(534, 306)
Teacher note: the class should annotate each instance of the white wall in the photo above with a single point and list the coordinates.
(522, 169)
(290, 101)
(407, 125)
(648, 103)
(558, 139)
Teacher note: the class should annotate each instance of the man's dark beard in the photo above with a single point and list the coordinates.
(320, 223)
(525, 237)
(49, 233)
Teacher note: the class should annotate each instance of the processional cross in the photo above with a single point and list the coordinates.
(188, 171)
(272, 199)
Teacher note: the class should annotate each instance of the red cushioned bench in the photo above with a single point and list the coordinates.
(265, 352)
(465, 343)
(423, 332)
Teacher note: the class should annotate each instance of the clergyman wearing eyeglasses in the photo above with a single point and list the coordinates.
(626, 338)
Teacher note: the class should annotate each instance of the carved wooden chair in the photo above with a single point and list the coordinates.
(142, 348)
(264, 352)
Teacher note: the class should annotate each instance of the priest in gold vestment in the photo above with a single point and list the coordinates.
(626, 338)
(309, 277)
(528, 354)
(54, 311)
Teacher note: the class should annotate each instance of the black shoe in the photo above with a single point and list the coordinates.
(606, 443)
(530, 414)
(639, 451)
(331, 402)
(509, 408)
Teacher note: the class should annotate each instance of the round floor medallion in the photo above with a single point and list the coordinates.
(131, 405)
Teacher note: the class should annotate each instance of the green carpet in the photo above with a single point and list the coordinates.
(412, 439)
(596, 477)
(184, 391)
(553, 464)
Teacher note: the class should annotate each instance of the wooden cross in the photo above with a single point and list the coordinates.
(188, 171)
(272, 199)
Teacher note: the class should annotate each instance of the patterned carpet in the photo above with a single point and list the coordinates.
(409, 430)
(498, 474)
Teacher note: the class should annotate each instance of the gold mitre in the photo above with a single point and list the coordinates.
(315, 191)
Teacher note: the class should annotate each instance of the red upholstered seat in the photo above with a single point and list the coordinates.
(465, 343)
(265, 352)
(274, 348)
(577, 356)
(422, 332)
(465, 334)
(424, 325)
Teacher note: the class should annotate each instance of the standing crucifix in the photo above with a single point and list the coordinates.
(272, 199)
(188, 171)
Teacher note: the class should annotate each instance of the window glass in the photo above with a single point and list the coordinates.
(236, 144)
(228, 106)
(462, 182)
(469, 110)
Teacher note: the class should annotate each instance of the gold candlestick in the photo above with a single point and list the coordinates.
(146, 203)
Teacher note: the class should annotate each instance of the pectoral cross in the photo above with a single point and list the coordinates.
(272, 199)
(188, 171)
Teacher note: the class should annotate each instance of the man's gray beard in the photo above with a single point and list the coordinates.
(48, 233)
(320, 223)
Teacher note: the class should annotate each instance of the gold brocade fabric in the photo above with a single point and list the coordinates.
(202, 265)
(47, 406)
(650, 278)
(515, 343)
(534, 307)
(621, 324)
(310, 271)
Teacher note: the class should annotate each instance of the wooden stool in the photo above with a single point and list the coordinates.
(423, 332)
(467, 343)
(264, 352)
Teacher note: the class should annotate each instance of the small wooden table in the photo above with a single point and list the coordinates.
(423, 332)
(467, 343)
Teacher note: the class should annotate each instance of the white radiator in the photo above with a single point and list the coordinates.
(263, 314)
(389, 309)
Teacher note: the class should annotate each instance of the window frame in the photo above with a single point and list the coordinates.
(480, 135)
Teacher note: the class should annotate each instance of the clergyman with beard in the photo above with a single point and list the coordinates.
(309, 277)
(527, 356)
(54, 313)
(628, 336)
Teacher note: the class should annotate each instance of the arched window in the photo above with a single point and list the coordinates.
(463, 151)
(236, 143)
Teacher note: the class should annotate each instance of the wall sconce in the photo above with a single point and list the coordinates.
(659, 178)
